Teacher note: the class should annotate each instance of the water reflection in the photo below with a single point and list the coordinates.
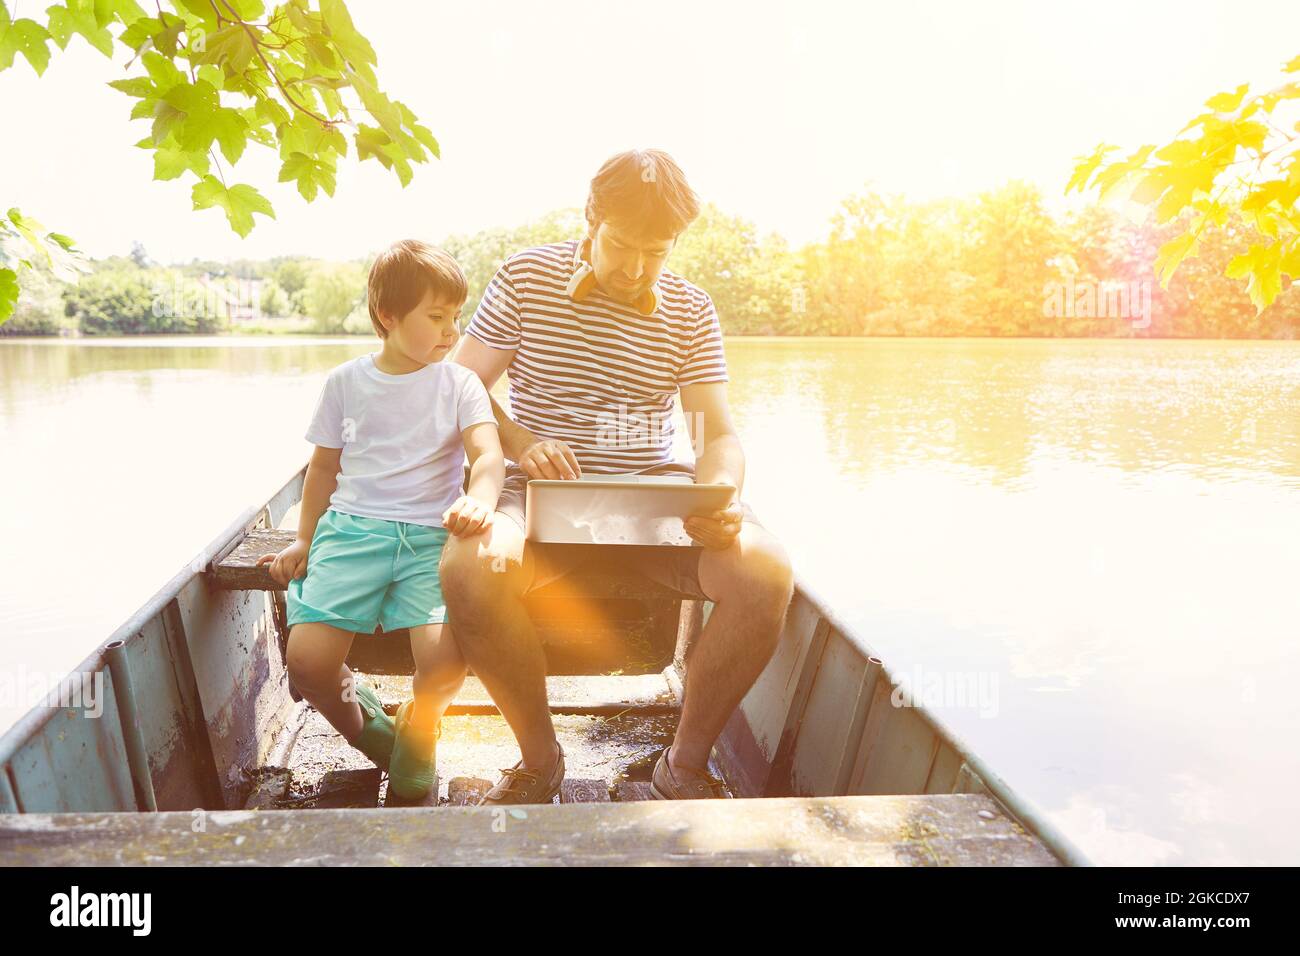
(1106, 530)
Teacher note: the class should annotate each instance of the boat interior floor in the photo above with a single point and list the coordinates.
(612, 730)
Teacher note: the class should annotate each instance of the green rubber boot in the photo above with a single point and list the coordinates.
(413, 772)
(378, 732)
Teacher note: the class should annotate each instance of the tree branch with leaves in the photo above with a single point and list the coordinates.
(1237, 164)
(212, 77)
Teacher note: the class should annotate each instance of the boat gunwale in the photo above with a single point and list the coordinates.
(1017, 806)
(30, 723)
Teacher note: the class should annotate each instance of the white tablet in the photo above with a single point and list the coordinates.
(618, 509)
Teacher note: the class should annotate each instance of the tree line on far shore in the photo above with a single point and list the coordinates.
(996, 264)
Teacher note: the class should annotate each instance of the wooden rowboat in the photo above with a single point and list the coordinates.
(201, 753)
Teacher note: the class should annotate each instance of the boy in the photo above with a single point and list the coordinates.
(392, 430)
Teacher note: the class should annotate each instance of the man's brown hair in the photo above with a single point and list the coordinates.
(645, 191)
(404, 272)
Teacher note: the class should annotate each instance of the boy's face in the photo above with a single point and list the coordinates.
(427, 333)
(626, 264)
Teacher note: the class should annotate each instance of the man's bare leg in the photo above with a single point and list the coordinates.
(751, 584)
(484, 578)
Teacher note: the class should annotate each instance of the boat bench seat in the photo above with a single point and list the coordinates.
(913, 830)
(239, 571)
(602, 617)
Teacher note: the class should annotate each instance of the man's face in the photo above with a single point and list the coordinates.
(427, 333)
(627, 264)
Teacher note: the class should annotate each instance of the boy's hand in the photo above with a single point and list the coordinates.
(467, 516)
(716, 530)
(288, 564)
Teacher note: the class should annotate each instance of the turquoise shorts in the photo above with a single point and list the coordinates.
(364, 573)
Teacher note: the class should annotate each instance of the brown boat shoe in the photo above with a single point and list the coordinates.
(521, 785)
(667, 784)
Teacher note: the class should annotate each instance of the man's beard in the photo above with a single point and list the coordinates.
(626, 294)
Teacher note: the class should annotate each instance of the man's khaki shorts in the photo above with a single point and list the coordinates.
(675, 567)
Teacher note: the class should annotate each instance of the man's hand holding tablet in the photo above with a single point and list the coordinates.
(716, 530)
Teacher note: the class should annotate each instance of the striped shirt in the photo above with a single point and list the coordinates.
(597, 374)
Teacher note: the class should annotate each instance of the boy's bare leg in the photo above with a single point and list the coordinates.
(439, 673)
(315, 660)
(484, 578)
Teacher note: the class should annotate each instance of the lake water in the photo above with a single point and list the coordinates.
(1102, 535)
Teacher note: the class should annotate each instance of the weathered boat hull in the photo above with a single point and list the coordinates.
(197, 697)
(208, 695)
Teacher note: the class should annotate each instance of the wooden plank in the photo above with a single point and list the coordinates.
(349, 788)
(599, 695)
(631, 791)
(599, 643)
(270, 787)
(597, 638)
(239, 571)
(584, 791)
(430, 799)
(604, 616)
(611, 577)
(480, 747)
(467, 791)
(915, 830)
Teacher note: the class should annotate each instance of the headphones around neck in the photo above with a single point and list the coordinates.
(584, 280)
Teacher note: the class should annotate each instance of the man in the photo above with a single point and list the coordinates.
(594, 331)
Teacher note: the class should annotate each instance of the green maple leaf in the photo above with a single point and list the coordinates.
(202, 120)
(1261, 266)
(182, 93)
(1084, 167)
(355, 48)
(135, 86)
(1227, 102)
(372, 141)
(204, 10)
(30, 230)
(106, 11)
(140, 32)
(169, 161)
(1170, 255)
(231, 44)
(239, 201)
(248, 9)
(8, 293)
(79, 17)
(309, 174)
(26, 37)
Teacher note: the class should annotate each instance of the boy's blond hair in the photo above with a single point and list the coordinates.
(404, 272)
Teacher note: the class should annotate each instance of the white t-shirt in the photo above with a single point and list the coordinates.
(403, 458)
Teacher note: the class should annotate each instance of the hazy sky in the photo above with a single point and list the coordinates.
(775, 111)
